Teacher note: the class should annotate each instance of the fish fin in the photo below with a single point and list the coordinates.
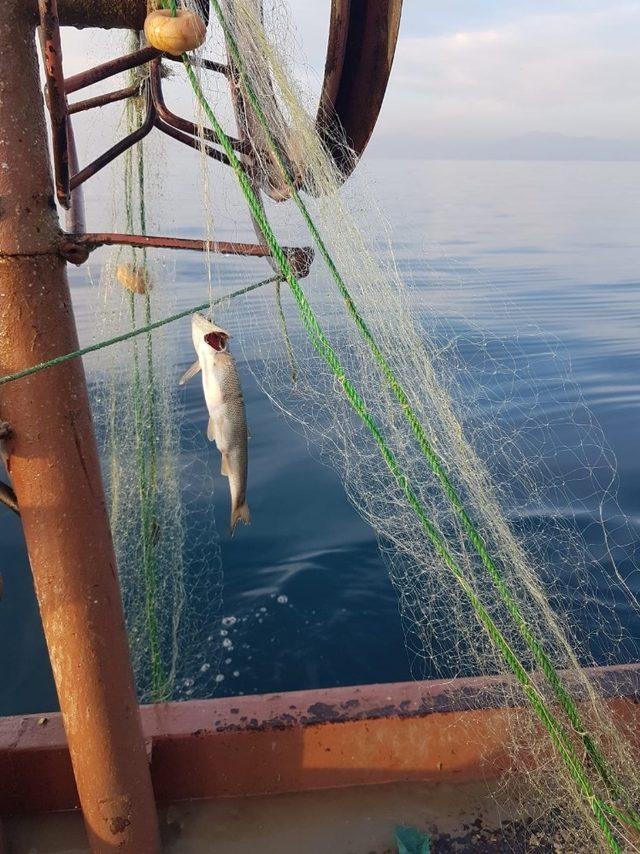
(211, 431)
(240, 513)
(8, 497)
(190, 373)
(224, 466)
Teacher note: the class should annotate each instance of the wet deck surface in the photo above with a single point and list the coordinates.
(360, 820)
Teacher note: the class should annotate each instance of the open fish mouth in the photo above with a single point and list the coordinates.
(217, 340)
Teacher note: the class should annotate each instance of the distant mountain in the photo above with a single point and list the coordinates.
(528, 146)
(558, 146)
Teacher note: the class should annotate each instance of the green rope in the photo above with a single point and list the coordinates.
(435, 463)
(126, 336)
(144, 421)
(160, 682)
(322, 345)
(145, 490)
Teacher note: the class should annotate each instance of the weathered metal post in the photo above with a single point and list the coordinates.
(53, 455)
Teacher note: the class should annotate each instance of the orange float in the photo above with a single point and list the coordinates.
(174, 34)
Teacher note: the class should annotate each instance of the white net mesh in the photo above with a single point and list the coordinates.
(159, 491)
(509, 461)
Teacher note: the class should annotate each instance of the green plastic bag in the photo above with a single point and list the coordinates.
(410, 840)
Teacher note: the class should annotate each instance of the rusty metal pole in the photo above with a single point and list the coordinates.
(55, 471)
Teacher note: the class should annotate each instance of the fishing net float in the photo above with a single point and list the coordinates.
(176, 32)
(359, 376)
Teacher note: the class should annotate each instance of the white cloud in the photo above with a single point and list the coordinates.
(567, 67)
(568, 73)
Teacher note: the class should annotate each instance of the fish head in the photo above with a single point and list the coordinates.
(204, 330)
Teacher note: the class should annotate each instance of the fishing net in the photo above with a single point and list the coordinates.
(496, 515)
(159, 491)
(485, 466)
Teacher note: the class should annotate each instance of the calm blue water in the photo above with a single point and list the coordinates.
(308, 590)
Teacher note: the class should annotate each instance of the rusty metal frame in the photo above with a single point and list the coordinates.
(52, 455)
(76, 248)
(55, 96)
(69, 178)
(156, 115)
(362, 40)
(108, 69)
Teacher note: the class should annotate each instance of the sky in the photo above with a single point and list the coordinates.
(499, 68)
(471, 72)
(472, 75)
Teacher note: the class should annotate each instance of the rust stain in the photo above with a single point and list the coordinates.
(73, 416)
(118, 825)
(117, 813)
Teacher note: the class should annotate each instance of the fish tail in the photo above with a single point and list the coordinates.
(240, 513)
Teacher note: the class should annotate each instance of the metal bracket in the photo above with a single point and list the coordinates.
(362, 40)
(69, 178)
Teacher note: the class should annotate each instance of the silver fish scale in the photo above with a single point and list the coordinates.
(232, 392)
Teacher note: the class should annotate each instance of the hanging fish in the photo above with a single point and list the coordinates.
(227, 419)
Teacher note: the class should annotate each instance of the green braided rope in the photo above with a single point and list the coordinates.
(429, 453)
(322, 345)
(145, 489)
(144, 422)
(160, 681)
(126, 336)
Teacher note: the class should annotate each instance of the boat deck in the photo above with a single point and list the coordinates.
(313, 772)
(360, 820)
